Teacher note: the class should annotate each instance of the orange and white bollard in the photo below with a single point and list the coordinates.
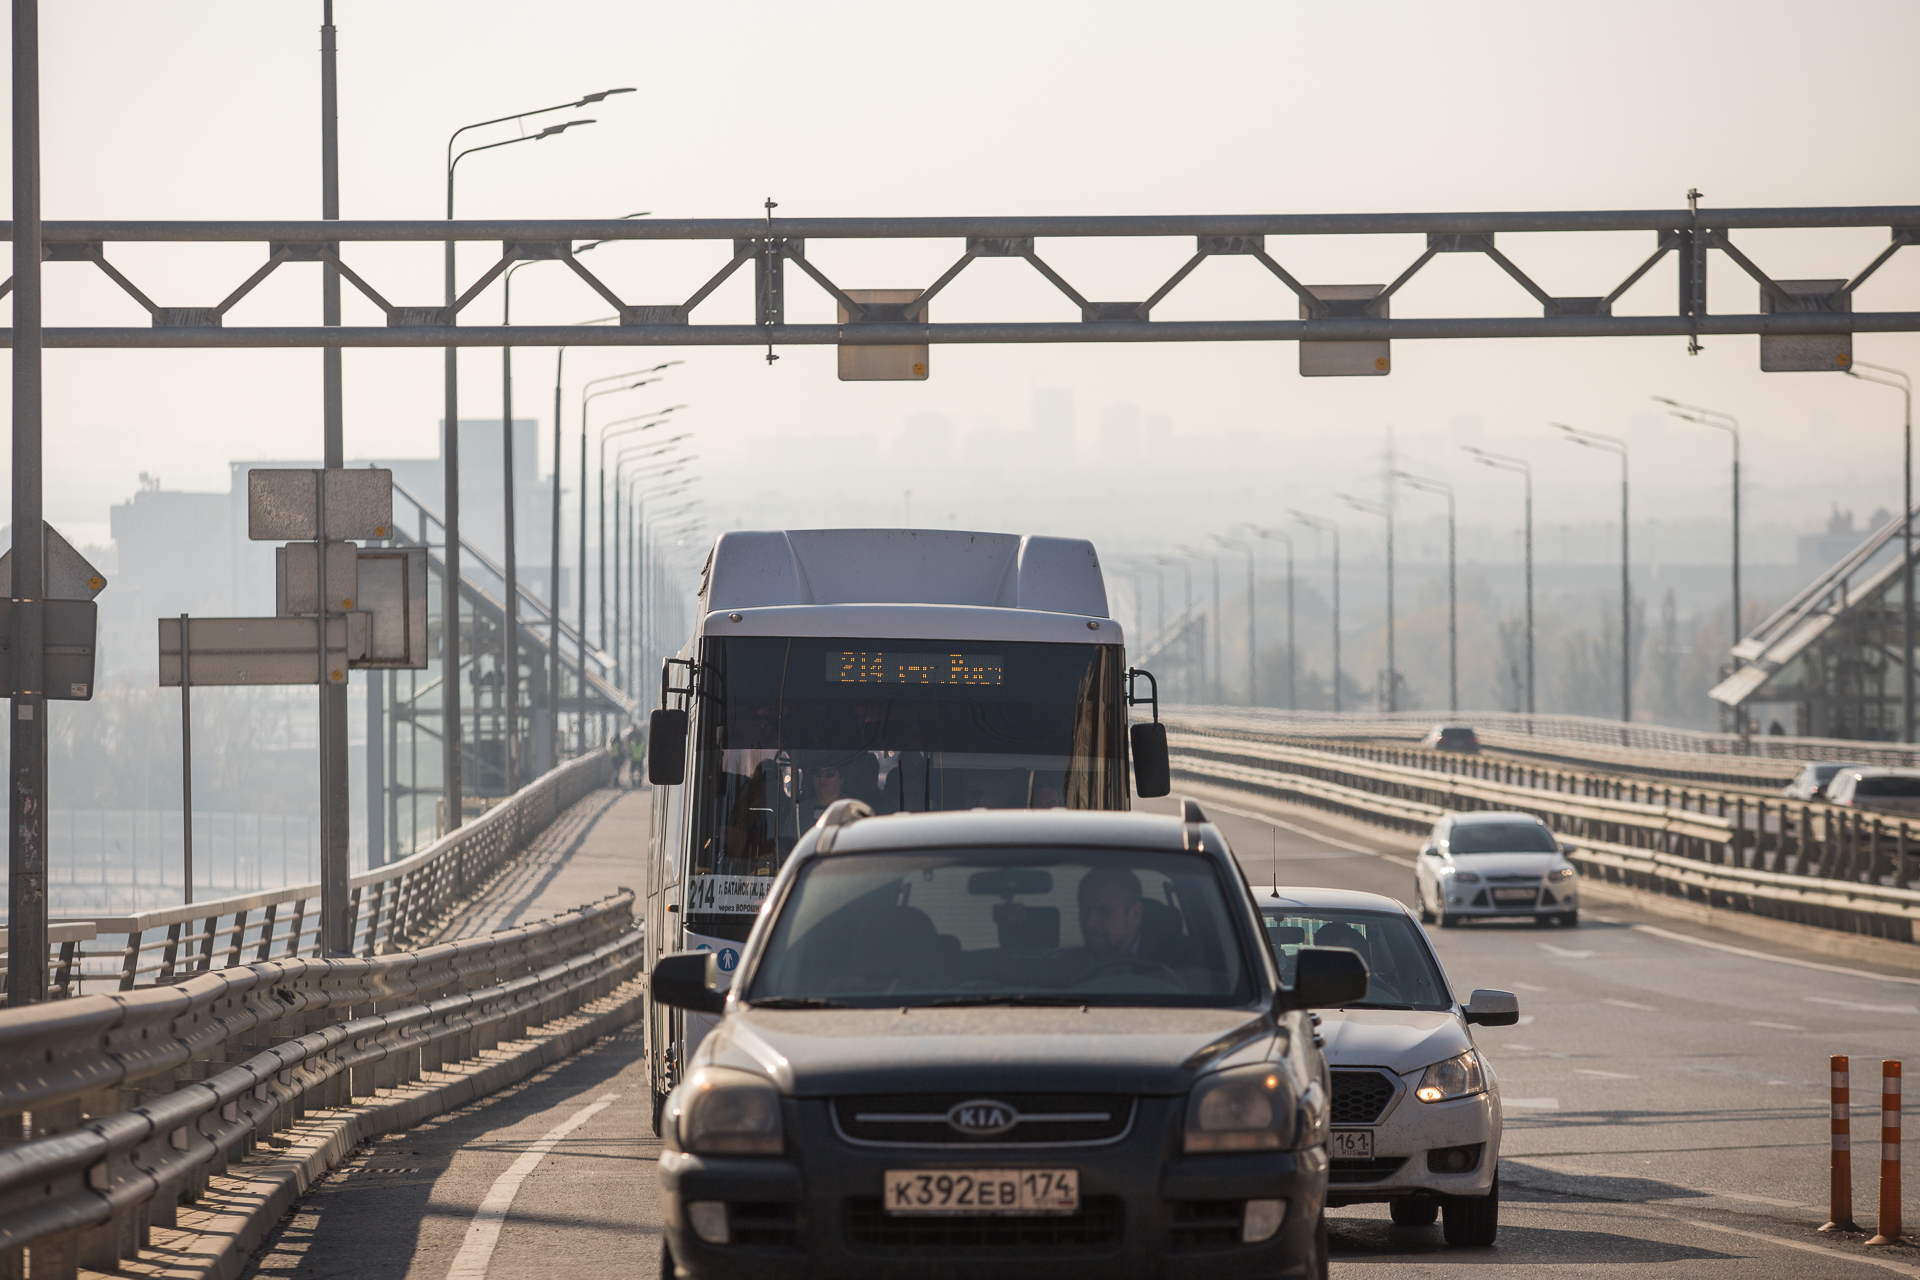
(1840, 1186)
(1889, 1154)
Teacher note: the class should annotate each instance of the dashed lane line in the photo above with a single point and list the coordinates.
(483, 1233)
(1284, 825)
(1867, 1260)
(1751, 954)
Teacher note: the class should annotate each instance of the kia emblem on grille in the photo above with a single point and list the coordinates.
(982, 1118)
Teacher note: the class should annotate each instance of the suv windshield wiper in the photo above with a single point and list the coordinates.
(798, 1002)
(956, 1002)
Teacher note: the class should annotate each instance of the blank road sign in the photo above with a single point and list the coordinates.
(69, 576)
(296, 569)
(241, 651)
(883, 364)
(1368, 359)
(1807, 352)
(393, 594)
(280, 503)
(67, 641)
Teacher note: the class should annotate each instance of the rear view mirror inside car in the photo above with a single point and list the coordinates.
(1325, 978)
(1009, 881)
(1492, 1008)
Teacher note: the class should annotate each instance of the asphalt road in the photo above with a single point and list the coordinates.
(1665, 1095)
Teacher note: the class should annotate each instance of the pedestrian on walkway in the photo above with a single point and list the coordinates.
(636, 752)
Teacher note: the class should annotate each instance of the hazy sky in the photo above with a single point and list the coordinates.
(210, 110)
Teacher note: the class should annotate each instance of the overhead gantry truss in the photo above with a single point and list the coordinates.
(1788, 307)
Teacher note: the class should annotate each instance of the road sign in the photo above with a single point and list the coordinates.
(295, 572)
(69, 576)
(237, 651)
(884, 364)
(280, 503)
(393, 594)
(67, 640)
(1369, 359)
(1807, 352)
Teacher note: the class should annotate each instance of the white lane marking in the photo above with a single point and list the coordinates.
(1532, 1104)
(1862, 1008)
(1777, 1026)
(1628, 1004)
(1526, 1020)
(1868, 1260)
(1563, 953)
(483, 1233)
(1763, 955)
(1284, 825)
(1604, 1075)
(1527, 986)
(1742, 1195)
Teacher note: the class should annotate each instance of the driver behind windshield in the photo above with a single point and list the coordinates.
(1111, 907)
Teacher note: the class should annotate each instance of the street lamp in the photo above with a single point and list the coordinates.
(649, 609)
(1502, 462)
(638, 616)
(1905, 386)
(450, 603)
(1385, 512)
(1333, 528)
(1612, 444)
(1731, 425)
(1453, 606)
(627, 382)
(1253, 686)
(1219, 667)
(1186, 569)
(1276, 535)
(620, 460)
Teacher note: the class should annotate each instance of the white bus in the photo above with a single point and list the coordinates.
(911, 669)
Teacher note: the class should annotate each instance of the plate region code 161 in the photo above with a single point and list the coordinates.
(953, 1191)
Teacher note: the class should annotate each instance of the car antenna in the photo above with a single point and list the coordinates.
(1275, 833)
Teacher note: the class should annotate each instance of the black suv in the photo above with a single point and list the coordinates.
(1026, 1043)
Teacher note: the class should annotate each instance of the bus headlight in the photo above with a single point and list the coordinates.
(1455, 1078)
(1248, 1109)
(731, 1113)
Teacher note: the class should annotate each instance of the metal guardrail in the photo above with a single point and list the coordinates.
(1810, 865)
(114, 1106)
(391, 906)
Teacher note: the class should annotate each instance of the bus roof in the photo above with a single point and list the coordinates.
(756, 569)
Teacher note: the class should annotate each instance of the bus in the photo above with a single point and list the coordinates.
(910, 669)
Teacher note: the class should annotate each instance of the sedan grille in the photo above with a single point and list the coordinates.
(1359, 1097)
(1348, 1172)
(1039, 1119)
(1098, 1223)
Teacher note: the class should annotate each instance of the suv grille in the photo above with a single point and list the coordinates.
(1099, 1222)
(1198, 1223)
(1360, 1096)
(920, 1119)
(767, 1224)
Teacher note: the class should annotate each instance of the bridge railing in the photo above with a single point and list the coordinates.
(391, 906)
(115, 1107)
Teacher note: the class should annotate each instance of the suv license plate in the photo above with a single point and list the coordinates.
(1351, 1144)
(968, 1191)
(1515, 895)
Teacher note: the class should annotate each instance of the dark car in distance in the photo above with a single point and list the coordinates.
(1452, 737)
(1008, 1043)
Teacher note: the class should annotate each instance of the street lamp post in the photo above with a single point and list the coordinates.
(623, 677)
(1253, 656)
(1453, 598)
(600, 481)
(1393, 667)
(1333, 528)
(1502, 462)
(1213, 620)
(450, 453)
(640, 612)
(1731, 425)
(1276, 535)
(1614, 445)
(1905, 386)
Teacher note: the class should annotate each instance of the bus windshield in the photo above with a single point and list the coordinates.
(788, 726)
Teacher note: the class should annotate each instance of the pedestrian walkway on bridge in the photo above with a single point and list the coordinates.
(595, 848)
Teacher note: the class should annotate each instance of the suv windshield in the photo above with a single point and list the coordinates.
(1401, 972)
(1501, 837)
(956, 927)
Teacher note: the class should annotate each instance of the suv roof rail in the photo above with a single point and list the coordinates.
(1190, 810)
(841, 813)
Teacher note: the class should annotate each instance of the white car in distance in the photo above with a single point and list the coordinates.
(1416, 1109)
(1490, 865)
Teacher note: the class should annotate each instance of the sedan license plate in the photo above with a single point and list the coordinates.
(1351, 1144)
(1522, 896)
(968, 1191)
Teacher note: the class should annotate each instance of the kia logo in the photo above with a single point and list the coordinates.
(982, 1118)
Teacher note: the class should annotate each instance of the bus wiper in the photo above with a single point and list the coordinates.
(798, 1002)
(961, 1002)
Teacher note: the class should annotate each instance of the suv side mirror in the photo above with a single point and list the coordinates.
(1152, 770)
(1492, 1008)
(1325, 978)
(667, 747)
(687, 980)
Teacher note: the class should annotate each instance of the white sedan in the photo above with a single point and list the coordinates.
(1416, 1109)
(1485, 865)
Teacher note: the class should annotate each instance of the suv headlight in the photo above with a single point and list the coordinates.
(1466, 877)
(1454, 1078)
(1558, 874)
(1246, 1109)
(730, 1113)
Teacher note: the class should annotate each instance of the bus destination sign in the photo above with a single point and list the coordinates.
(851, 667)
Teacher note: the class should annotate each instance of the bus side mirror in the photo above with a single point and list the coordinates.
(685, 980)
(667, 747)
(1152, 771)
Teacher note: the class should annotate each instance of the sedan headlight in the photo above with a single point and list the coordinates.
(1454, 1078)
(1558, 874)
(730, 1113)
(1246, 1109)
(1466, 877)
